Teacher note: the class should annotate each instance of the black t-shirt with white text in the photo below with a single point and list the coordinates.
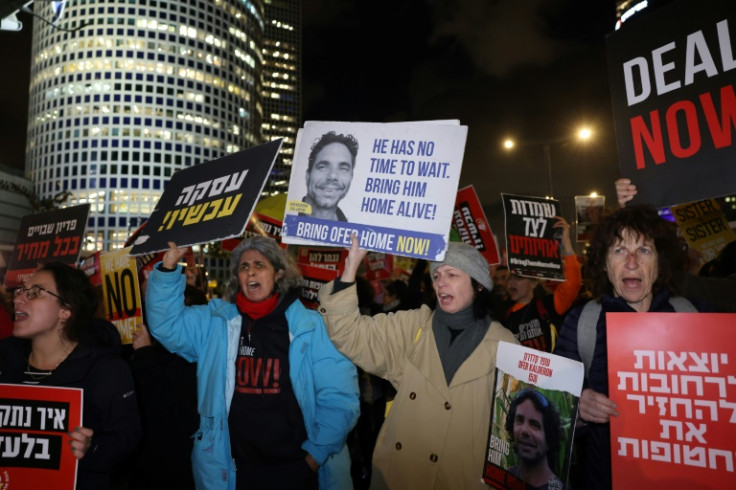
(266, 422)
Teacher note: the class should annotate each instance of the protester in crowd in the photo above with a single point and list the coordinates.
(441, 363)
(419, 290)
(500, 277)
(535, 320)
(716, 286)
(533, 425)
(275, 398)
(196, 290)
(329, 174)
(57, 342)
(167, 392)
(394, 294)
(634, 260)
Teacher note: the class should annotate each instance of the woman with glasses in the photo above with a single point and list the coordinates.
(57, 342)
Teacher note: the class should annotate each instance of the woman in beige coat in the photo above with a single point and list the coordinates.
(442, 364)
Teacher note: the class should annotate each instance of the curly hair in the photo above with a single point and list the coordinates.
(550, 420)
(77, 295)
(328, 138)
(279, 258)
(642, 221)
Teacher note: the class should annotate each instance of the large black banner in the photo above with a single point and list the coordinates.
(672, 88)
(208, 202)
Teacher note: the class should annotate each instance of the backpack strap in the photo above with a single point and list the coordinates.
(587, 324)
(682, 305)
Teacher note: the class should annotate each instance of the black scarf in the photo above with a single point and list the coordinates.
(455, 349)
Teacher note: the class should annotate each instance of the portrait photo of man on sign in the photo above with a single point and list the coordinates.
(533, 424)
(329, 174)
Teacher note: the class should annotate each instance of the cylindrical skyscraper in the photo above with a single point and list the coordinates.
(143, 89)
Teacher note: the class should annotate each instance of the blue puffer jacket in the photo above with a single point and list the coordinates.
(325, 382)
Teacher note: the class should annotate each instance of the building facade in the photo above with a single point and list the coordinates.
(14, 204)
(282, 103)
(140, 90)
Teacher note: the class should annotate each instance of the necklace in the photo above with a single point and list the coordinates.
(39, 375)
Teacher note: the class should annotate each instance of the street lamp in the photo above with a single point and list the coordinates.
(583, 134)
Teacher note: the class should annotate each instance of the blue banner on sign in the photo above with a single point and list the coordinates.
(427, 246)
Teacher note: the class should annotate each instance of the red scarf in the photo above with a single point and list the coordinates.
(256, 310)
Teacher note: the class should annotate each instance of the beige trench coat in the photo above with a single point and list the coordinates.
(435, 436)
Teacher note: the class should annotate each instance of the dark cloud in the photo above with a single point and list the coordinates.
(518, 28)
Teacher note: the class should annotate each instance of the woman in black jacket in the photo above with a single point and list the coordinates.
(57, 342)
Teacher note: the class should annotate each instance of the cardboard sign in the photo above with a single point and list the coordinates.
(121, 294)
(313, 278)
(672, 87)
(549, 388)
(47, 237)
(533, 244)
(704, 226)
(589, 210)
(397, 191)
(673, 376)
(34, 441)
(208, 202)
(471, 224)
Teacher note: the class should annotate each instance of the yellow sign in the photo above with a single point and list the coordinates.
(121, 292)
(704, 226)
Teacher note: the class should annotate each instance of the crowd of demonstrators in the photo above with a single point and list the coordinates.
(635, 260)
(211, 404)
(276, 430)
(535, 319)
(441, 363)
(58, 342)
(713, 282)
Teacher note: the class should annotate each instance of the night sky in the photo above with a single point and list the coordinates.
(531, 69)
(534, 70)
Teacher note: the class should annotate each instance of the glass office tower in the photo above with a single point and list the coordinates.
(140, 90)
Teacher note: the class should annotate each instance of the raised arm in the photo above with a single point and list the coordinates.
(353, 260)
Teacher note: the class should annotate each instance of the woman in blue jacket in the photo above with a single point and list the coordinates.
(271, 430)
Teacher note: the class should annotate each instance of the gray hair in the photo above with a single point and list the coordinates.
(277, 256)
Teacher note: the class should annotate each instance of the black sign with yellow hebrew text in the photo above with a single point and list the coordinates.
(208, 202)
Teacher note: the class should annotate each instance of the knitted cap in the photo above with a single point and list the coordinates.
(466, 258)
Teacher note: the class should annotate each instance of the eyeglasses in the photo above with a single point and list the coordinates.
(33, 292)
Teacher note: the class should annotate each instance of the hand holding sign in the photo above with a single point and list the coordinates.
(625, 191)
(80, 441)
(354, 259)
(596, 407)
(173, 255)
